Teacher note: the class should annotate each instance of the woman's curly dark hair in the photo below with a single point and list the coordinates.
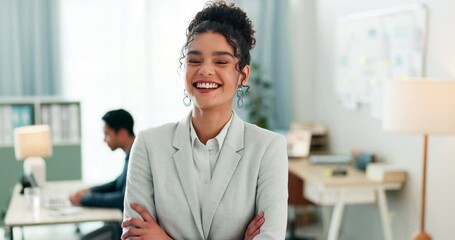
(228, 20)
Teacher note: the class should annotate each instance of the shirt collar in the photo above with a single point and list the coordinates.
(127, 155)
(219, 138)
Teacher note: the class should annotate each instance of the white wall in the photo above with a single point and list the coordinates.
(356, 129)
(122, 54)
(103, 67)
(303, 37)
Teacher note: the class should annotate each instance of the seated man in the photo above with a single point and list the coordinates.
(118, 133)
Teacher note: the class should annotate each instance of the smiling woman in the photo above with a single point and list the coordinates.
(211, 175)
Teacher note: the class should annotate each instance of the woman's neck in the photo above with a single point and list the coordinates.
(208, 123)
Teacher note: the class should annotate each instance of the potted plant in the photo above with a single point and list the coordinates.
(260, 99)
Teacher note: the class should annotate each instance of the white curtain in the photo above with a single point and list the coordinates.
(29, 48)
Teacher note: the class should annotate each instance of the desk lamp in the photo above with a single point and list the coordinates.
(422, 106)
(31, 144)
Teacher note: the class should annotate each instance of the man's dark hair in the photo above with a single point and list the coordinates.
(118, 119)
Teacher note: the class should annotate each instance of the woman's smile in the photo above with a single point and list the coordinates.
(206, 86)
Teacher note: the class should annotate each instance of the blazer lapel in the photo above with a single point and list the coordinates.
(225, 167)
(184, 164)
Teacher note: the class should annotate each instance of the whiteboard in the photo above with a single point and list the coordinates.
(375, 46)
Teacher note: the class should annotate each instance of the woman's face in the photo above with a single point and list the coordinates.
(211, 74)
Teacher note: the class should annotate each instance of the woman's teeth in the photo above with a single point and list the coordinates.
(207, 85)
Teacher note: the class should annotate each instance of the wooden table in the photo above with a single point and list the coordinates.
(354, 188)
(18, 216)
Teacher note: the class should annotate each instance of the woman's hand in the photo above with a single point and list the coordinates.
(253, 228)
(146, 229)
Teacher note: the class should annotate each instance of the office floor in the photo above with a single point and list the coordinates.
(312, 231)
(309, 222)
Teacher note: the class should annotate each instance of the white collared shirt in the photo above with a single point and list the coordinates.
(205, 158)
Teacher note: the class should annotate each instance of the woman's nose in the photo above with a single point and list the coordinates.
(206, 69)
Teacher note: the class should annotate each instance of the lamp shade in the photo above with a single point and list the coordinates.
(419, 106)
(32, 141)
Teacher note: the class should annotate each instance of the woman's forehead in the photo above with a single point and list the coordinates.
(210, 42)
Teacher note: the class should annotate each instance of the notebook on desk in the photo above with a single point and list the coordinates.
(329, 159)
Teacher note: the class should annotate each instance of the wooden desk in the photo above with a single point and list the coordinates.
(354, 188)
(18, 216)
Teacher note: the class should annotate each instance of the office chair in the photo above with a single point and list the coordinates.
(296, 199)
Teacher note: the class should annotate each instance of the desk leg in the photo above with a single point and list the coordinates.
(10, 233)
(337, 216)
(326, 213)
(386, 227)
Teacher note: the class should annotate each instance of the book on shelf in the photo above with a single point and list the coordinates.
(64, 121)
(73, 127)
(11, 117)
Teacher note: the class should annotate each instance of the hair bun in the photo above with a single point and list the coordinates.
(227, 14)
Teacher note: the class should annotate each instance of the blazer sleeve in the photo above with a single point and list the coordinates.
(272, 190)
(139, 181)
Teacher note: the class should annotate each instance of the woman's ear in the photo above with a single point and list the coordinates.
(246, 70)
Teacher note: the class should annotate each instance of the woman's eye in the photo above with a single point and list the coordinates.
(221, 62)
(194, 61)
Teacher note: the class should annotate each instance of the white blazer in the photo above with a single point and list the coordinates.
(250, 176)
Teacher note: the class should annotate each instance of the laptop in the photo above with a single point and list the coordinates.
(56, 201)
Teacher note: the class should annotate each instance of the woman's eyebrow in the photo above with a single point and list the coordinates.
(217, 53)
(194, 52)
(221, 53)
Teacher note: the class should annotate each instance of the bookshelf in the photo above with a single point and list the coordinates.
(64, 118)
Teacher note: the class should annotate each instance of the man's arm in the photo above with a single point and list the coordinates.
(107, 200)
(107, 187)
(110, 194)
(96, 196)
